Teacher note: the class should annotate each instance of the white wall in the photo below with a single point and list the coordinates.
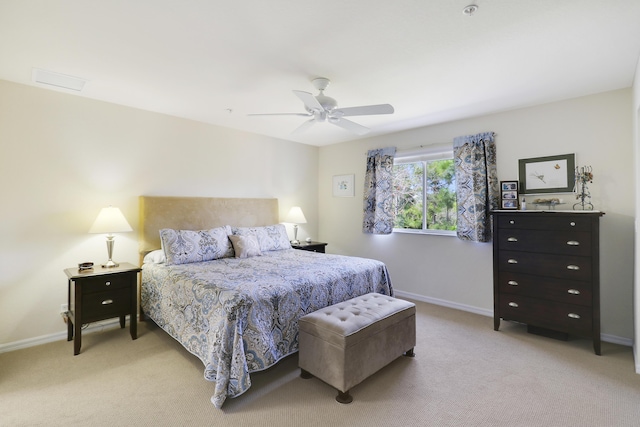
(636, 134)
(598, 129)
(64, 157)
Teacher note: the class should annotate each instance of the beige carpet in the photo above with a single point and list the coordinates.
(464, 374)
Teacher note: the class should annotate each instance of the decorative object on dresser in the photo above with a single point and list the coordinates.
(584, 176)
(546, 272)
(310, 246)
(110, 220)
(550, 174)
(98, 294)
(296, 216)
(509, 194)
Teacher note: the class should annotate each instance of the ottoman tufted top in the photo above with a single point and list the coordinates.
(347, 323)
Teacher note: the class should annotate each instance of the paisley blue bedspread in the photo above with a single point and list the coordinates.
(241, 315)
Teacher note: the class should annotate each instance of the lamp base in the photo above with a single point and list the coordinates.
(110, 264)
(295, 242)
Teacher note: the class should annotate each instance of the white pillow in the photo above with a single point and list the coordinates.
(270, 237)
(154, 257)
(186, 246)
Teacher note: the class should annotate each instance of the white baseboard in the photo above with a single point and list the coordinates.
(628, 342)
(58, 336)
(113, 323)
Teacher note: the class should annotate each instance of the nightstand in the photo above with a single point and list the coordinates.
(98, 294)
(310, 246)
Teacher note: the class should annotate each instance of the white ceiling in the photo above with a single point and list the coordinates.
(199, 59)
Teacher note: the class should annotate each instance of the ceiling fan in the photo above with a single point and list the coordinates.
(322, 108)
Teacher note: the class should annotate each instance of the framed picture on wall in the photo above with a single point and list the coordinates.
(551, 174)
(343, 185)
(509, 194)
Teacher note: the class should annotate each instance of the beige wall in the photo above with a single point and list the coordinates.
(64, 157)
(598, 129)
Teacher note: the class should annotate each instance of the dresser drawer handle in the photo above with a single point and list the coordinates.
(572, 267)
(573, 315)
(512, 239)
(573, 243)
(512, 222)
(573, 224)
(513, 304)
(107, 283)
(107, 302)
(512, 261)
(512, 283)
(573, 292)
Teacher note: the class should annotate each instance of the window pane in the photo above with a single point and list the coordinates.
(441, 195)
(408, 191)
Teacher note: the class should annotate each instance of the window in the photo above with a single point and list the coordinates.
(425, 191)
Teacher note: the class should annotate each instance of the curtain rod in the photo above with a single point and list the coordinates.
(417, 147)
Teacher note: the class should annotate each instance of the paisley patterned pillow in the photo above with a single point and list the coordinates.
(245, 246)
(270, 237)
(186, 246)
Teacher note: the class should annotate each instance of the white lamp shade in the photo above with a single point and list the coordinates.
(110, 220)
(295, 216)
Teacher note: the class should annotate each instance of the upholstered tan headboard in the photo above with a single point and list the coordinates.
(200, 213)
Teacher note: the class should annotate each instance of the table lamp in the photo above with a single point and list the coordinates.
(110, 220)
(296, 217)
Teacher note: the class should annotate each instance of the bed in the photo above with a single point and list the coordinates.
(236, 304)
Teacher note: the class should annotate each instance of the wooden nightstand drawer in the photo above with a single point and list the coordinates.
(310, 246)
(104, 305)
(105, 283)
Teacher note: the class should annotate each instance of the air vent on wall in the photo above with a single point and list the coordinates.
(56, 79)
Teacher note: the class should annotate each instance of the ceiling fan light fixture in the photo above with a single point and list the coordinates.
(470, 10)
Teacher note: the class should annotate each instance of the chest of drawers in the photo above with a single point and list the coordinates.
(546, 271)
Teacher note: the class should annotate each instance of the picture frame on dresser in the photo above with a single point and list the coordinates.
(550, 174)
(508, 194)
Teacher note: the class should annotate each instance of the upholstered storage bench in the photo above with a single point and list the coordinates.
(345, 343)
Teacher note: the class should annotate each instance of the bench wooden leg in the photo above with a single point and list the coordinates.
(410, 353)
(305, 374)
(344, 398)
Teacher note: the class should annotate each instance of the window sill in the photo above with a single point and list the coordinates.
(425, 232)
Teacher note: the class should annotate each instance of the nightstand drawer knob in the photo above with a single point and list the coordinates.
(573, 224)
(107, 302)
(573, 315)
(512, 239)
(512, 261)
(573, 292)
(108, 283)
(512, 222)
(573, 267)
(513, 304)
(573, 243)
(512, 283)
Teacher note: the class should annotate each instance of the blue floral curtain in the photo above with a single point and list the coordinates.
(378, 192)
(476, 185)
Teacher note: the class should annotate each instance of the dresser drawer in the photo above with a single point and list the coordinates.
(548, 288)
(546, 221)
(105, 283)
(557, 316)
(560, 266)
(554, 242)
(104, 305)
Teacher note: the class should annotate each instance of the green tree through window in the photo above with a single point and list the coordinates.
(433, 181)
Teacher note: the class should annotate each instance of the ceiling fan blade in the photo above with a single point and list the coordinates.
(365, 110)
(310, 101)
(303, 127)
(350, 126)
(281, 114)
